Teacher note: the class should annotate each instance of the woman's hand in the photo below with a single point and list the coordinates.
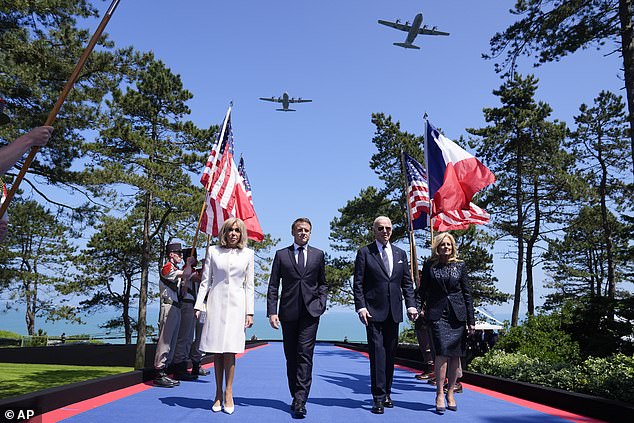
(248, 322)
(197, 314)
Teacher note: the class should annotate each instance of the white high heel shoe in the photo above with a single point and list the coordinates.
(229, 409)
(216, 408)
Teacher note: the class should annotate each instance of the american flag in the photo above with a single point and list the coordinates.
(245, 179)
(226, 193)
(254, 230)
(418, 197)
(417, 192)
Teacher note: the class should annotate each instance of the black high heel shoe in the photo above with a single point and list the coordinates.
(440, 410)
(451, 407)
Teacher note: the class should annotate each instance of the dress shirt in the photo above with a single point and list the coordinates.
(296, 252)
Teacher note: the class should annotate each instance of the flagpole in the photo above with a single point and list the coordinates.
(410, 231)
(213, 170)
(431, 200)
(60, 101)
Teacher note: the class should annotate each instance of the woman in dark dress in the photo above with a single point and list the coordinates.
(446, 297)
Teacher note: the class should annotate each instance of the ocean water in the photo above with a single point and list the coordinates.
(335, 324)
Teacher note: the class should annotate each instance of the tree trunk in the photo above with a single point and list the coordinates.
(520, 240)
(606, 229)
(530, 248)
(139, 362)
(29, 315)
(127, 326)
(627, 47)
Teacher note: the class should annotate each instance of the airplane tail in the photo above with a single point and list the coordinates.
(407, 45)
(285, 110)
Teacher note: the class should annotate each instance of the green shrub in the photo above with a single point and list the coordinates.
(9, 334)
(611, 377)
(541, 337)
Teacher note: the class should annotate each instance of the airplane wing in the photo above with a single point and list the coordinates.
(298, 100)
(273, 99)
(426, 31)
(395, 25)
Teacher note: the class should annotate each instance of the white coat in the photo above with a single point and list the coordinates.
(228, 278)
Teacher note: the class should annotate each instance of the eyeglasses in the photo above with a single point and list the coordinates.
(384, 228)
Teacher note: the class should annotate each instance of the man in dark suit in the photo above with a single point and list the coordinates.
(302, 271)
(381, 281)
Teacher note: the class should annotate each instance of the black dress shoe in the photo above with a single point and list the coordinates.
(161, 380)
(300, 409)
(377, 408)
(388, 402)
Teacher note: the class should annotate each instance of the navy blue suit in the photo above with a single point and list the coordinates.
(382, 295)
(302, 301)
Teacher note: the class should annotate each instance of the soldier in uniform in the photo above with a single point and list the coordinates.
(169, 315)
(187, 290)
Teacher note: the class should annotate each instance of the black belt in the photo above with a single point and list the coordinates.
(171, 302)
(188, 301)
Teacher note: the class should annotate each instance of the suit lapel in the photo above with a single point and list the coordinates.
(291, 257)
(377, 255)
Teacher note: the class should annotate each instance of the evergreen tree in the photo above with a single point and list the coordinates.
(147, 148)
(33, 264)
(600, 145)
(352, 229)
(552, 29)
(111, 270)
(40, 44)
(525, 152)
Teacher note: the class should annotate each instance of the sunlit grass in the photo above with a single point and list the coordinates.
(19, 378)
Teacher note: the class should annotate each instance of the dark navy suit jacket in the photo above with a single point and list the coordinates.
(310, 285)
(378, 292)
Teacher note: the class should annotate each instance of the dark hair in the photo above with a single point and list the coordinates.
(301, 220)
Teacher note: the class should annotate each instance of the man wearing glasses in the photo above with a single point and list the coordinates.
(381, 281)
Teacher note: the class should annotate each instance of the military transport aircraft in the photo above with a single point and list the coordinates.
(412, 30)
(285, 100)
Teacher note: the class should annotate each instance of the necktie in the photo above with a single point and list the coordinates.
(386, 260)
(300, 259)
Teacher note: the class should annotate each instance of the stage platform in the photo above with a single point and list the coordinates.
(340, 393)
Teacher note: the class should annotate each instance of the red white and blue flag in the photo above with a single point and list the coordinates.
(417, 192)
(226, 194)
(419, 204)
(454, 174)
(254, 230)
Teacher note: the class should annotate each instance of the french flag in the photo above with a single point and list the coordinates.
(454, 174)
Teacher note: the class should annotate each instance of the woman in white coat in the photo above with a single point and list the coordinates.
(227, 283)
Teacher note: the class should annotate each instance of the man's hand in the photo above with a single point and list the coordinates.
(470, 329)
(412, 313)
(248, 321)
(274, 321)
(364, 316)
(37, 136)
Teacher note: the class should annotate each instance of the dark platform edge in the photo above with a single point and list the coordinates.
(53, 398)
(582, 404)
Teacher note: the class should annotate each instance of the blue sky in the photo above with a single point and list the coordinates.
(310, 162)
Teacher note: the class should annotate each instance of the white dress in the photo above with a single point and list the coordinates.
(228, 277)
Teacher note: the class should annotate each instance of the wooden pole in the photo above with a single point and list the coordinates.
(60, 101)
(211, 176)
(410, 231)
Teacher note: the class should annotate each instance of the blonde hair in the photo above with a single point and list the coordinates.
(226, 227)
(436, 243)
